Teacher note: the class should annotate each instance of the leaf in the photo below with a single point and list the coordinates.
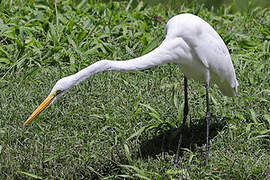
(104, 129)
(173, 171)
(39, 6)
(137, 133)
(125, 176)
(93, 170)
(183, 172)
(70, 41)
(156, 116)
(191, 158)
(247, 44)
(2, 51)
(51, 157)
(266, 91)
(136, 113)
(261, 136)
(128, 153)
(248, 127)
(129, 4)
(267, 132)
(151, 45)
(157, 176)
(175, 98)
(140, 173)
(150, 108)
(180, 112)
(40, 127)
(142, 176)
(53, 33)
(81, 4)
(140, 6)
(19, 43)
(31, 175)
(213, 100)
(32, 73)
(4, 60)
(267, 117)
(253, 116)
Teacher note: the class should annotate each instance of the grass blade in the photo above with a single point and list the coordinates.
(31, 175)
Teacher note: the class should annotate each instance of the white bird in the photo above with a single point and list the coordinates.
(190, 42)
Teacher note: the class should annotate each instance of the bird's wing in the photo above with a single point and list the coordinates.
(213, 53)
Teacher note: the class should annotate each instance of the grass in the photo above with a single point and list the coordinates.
(114, 124)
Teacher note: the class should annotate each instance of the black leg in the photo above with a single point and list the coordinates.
(186, 101)
(207, 118)
(176, 159)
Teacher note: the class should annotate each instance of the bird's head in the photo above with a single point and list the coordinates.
(60, 88)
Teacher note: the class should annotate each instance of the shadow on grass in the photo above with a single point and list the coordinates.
(193, 137)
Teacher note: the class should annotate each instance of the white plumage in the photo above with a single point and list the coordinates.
(190, 42)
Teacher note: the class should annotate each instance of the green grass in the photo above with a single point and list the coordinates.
(112, 125)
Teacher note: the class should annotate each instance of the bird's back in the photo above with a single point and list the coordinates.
(207, 47)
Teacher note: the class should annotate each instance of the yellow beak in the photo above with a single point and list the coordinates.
(40, 108)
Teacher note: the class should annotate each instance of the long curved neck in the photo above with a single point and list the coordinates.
(160, 55)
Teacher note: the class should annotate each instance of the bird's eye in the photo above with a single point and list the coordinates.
(58, 92)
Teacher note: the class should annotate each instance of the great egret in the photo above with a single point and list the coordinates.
(190, 42)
